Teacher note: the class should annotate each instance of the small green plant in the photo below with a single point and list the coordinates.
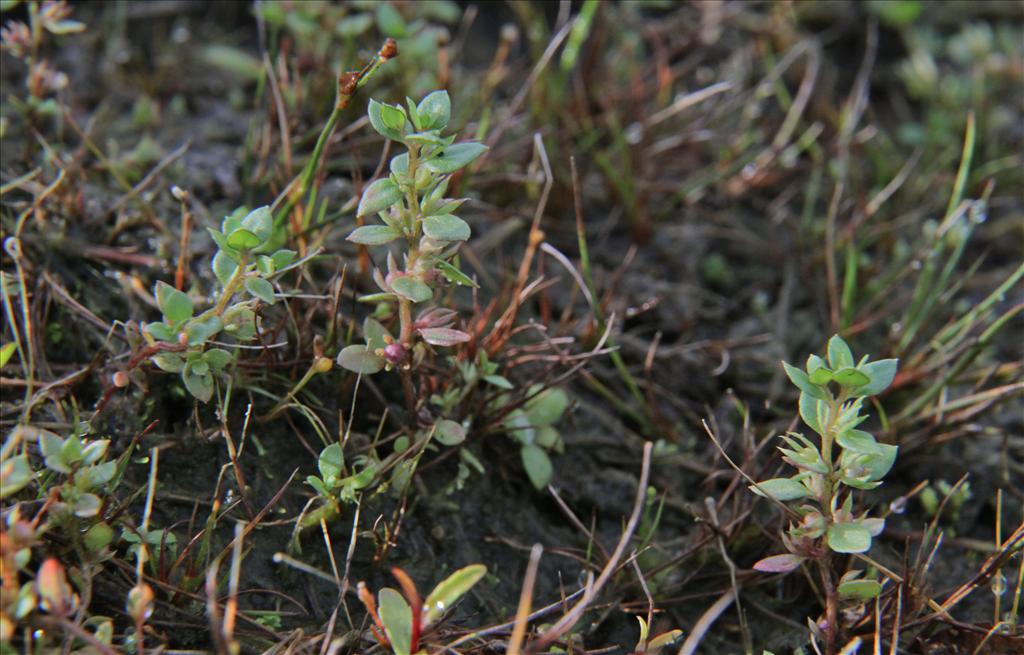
(532, 425)
(412, 206)
(74, 480)
(846, 458)
(401, 618)
(180, 342)
(27, 42)
(943, 495)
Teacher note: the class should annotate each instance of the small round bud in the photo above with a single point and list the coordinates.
(394, 353)
(121, 379)
(390, 49)
(323, 364)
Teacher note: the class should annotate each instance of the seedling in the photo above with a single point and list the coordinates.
(400, 619)
(846, 458)
(532, 425)
(412, 206)
(181, 340)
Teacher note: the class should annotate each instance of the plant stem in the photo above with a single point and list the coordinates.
(831, 604)
(348, 84)
(232, 286)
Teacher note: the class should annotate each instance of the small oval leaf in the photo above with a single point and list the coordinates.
(373, 235)
(359, 359)
(413, 289)
(538, 465)
(446, 227)
(449, 590)
(380, 195)
(443, 336)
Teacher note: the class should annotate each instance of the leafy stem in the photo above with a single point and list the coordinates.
(232, 286)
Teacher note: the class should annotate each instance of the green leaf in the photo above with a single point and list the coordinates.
(240, 323)
(498, 381)
(217, 358)
(453, 274)
(331, 462)
(373, 235)
(848, 538)
(896, 13)
(174, 305)
(455, 157)
(435, 110)
(374, 112)
(881, 373)
(260, 222)
(260, 288)
(15, 473)
(424, 139)
(223, 267)
(393, 117)
(352, 26)
(850, 377)
(200, 331)
(98, 537)
(801, 381)
(782, 489)
(87, 505)
(450, 590)
(412, 289)
(390, 21)
(283, 258)
(265, 266)
(379, 196)
(449, 433)
(200, 386)
(547, 407)
(839, 354)
(6, 351)
(243, 239)
(359, 359)
(519, 427)
(858, 441)
(160, 331)
(878, 465)
(862, 590)
(446, 227)
(821, 376)
(396, 616)
(548, 438)
(814, 363)
(170, 362)
(400, 164)
(318, 485)
(809, 410)
(538, 465)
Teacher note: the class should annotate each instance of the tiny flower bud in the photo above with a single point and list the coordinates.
(121, 379)
(390, 50)
(394, 353)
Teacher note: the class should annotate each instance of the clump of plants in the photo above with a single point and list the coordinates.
(181, 342)
(844, 459)
(414, 212)
(72, 483)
